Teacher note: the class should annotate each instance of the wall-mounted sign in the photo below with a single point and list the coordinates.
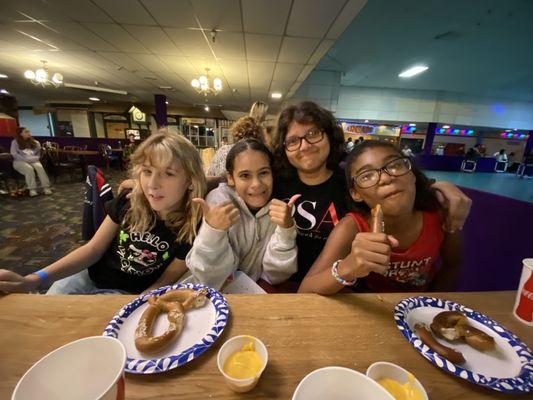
(137, 116)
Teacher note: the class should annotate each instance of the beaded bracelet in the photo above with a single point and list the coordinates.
(339, 278)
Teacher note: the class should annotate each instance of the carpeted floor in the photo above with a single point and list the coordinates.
(36, 231)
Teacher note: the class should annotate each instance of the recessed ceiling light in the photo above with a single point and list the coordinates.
(411, 124)
(94, 98)
(446, 126)
(166, 102)
(275, 95)
(413, 71)
(206, 108)
(3, 76)
(366, 121)
(507, 130)
(3, 91)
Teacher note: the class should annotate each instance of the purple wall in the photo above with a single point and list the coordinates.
(497, 236)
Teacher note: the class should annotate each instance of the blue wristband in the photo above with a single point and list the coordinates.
(42, 275)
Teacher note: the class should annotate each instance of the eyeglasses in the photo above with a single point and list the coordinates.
(369, 178)
(312, 136)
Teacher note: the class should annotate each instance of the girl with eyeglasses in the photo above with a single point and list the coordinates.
(414, 251)
(308, 148)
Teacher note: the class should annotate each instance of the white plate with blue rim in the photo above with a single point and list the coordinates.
(507, 369)
(202, 328)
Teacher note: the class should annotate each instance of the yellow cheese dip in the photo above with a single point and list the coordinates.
(244, 364)
(407, 391)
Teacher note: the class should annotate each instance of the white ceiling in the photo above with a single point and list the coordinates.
(261, 46)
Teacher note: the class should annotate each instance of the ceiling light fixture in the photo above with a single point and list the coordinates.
(4, 91)
(206, 108)
(366, 121)
(276, 95)
(41, 77)
(413, 71)
(446, 126)
(94, 98)
(3, 76)
(203, 85)
(411, 124)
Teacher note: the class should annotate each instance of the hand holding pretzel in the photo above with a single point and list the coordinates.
(281, 212)
(221, 216)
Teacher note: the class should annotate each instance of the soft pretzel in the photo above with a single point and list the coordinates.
(175, 303)
(453, 325)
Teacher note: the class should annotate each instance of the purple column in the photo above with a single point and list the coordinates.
(529, 144)
(160, 101)
(430, 136)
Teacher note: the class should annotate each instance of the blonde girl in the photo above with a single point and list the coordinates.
(142, 243)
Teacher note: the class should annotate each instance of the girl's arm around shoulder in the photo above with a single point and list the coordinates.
(450, 254)
(319, 278)
(171, 275)
(280, 260)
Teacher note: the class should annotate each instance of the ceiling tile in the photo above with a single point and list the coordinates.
(171, 13)
(126, 11)
(260, 74)
(297, 50)
(180, 65)
(154, 39)
(79, 34)
(229, 45)
(117, 36)
(191, 42)
(280, 86)
(262, 47)
(218, 14)
(312, 18)
(265, 16)
(236, 73)
(287, 72)
(79, 10)
(123, 60)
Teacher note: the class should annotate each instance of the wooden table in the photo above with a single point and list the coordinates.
(302, 333)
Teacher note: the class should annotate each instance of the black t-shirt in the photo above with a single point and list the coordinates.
(316, 213)
(135, 260)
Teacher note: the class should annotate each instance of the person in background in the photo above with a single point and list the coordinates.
(129, 149)
(26, 152)
(500, 156)
(243, 128)
(258, 112)
(406, 151)
(349, 145)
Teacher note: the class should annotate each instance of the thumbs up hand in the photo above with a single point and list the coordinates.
(222, 216)
(281, 212)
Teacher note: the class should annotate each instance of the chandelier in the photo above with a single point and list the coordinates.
(41, 77)
(203, 84)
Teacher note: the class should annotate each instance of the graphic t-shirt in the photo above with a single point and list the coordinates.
(411, 269)
(135, 260)
(316, 213)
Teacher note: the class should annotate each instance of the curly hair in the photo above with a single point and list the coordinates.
(245, 128)
(307, 112)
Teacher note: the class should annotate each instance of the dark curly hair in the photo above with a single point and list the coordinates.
(243, 145)
(245, 128)
(425, 199)
(307, 112)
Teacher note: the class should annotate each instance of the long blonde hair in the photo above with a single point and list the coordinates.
(160, 150)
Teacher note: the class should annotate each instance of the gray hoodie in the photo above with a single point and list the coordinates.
(28, 155)
(254, 245)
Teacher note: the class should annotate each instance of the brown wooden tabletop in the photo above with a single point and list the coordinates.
(302, 333)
